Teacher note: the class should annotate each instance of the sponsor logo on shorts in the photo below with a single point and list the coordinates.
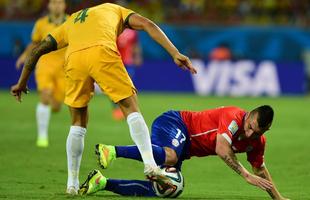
(175, 142)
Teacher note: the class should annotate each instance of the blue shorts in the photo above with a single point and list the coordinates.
(169, 130)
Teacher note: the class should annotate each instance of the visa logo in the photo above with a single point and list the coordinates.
(240, 78)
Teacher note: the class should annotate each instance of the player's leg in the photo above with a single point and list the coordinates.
(169, 143)
(79, 90)
(138, 130)
(44, 81)
(43, 113)
(117, 113)
(130, 187)
(115, 82)
(96, 182)
(107, 154)
(75, 145)
(49, 76)
(44, 108)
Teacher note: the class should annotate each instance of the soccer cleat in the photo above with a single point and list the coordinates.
(72, 191)
(154, 174)
(42, 142)
(95, 182)
(106, 154)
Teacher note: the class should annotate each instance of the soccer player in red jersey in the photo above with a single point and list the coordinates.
(180, 135)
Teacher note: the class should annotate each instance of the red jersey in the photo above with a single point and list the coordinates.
(126, 43)
(204, 126)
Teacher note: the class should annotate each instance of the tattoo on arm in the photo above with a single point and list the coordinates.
(268, 190)
(42, 48)
(232, 162)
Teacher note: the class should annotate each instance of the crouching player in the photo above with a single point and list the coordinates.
(179, 135)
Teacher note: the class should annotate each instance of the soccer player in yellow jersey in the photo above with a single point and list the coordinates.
(49, 73)
(92, 56)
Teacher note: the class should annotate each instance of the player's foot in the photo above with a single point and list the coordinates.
(155, 174)
(105, 154)
(94, 183)
(42, 142)
(72, 191)
(117, 114)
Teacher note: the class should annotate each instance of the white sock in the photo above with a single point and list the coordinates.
(75, 147)
(43, 114)
(140, 135)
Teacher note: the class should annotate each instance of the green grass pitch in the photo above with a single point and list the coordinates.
(27, 172)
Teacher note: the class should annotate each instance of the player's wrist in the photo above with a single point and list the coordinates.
(174, 53)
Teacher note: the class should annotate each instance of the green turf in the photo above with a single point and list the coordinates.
(27, 172)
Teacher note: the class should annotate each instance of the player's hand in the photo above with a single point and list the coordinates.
(20, 61)
(17, 90)
(184, 62)
(259, 182)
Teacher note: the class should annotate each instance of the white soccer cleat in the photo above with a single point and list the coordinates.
(155, 174)
(72, 191)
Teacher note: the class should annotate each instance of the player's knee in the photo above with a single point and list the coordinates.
(129, 105)
(44, 100)
(171, 156)
(45, 97)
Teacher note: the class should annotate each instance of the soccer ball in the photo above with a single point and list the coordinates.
(177, 182)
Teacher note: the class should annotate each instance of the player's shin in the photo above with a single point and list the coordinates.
(75, 147)
(132, 152)
(140, 135)
(130, 187)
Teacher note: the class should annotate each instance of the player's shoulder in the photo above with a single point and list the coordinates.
(43, 20)
(107, 5)
(232, 108)
(231, 111)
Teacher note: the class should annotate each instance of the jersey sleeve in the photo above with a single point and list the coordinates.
(60, 35)
(36, 35)
(256, 156)
(228, 126)
(223, 129)
(125, 14)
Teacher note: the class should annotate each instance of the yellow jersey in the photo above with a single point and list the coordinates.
(43, 27)
(99, 25)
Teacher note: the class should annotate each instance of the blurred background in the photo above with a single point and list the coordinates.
(240, 47)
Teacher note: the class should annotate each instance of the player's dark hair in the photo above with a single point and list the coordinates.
(265, 116)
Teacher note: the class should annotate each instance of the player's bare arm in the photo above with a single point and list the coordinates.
(139, 22)
(264, 173)
(22, 58)
(44, 47)
(224, 151)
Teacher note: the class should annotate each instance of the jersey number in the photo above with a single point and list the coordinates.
(81, 16)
